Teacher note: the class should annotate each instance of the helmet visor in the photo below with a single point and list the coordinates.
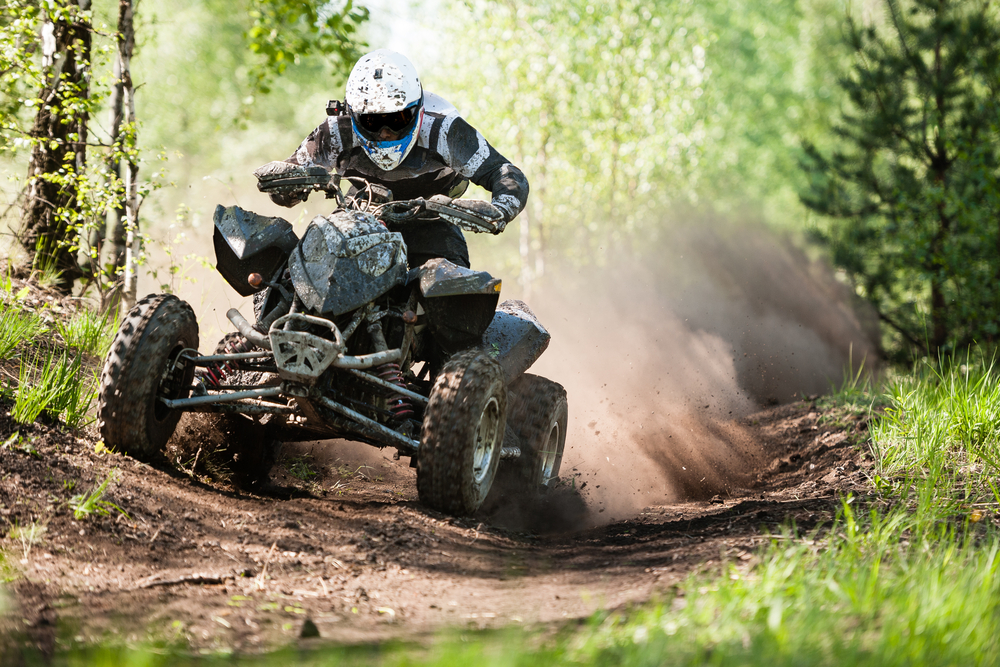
(396, 122)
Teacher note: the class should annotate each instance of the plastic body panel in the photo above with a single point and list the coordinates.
(248, 243)
(346, 260)
(515, 338)
(460, 303)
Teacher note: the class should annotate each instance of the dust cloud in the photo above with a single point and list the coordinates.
(662, 355)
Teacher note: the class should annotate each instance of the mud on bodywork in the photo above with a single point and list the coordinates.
(515, 338)
(246, 243)
(354, 252)
(459, 302)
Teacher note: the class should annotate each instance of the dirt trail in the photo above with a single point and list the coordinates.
(670, 467)
(351, 548)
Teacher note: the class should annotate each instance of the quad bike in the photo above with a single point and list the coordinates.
(348, 342)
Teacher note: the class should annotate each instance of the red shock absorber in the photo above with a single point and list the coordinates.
(399, 405)
(218, 372)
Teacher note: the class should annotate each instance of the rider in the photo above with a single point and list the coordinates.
(414, 143)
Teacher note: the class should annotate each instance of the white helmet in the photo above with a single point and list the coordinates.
(386, 103)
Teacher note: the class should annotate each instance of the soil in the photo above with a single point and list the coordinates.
(338, 537)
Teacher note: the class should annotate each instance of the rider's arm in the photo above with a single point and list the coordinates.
(468, 153)
(321, 147)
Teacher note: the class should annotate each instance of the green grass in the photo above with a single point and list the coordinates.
(55, 385)
(89, 331)
(86, 505)
(301, 467)
(17, 326)
(943, 429)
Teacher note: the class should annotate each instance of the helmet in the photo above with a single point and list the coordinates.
(386, 104)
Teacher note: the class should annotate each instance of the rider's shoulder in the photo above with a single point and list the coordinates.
(437, 106)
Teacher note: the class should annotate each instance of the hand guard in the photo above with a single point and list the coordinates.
(285, 178)
(472, 215)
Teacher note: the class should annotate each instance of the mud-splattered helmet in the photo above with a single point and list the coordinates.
(386, 103)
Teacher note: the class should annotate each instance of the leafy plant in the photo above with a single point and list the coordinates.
(18, 443)
(85, 505)
(17, 326)
(59, 390)
(45, 266)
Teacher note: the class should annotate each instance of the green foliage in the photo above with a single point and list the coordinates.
(89, 331)
(285, 31)
(912, 187)
(86, 505)
(21, 444)
(17, 326)
(300, 467)
(57, 386)
(624, 113)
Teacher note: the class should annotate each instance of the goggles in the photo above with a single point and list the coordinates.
(396, 121)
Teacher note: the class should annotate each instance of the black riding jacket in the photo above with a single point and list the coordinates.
(449, 152)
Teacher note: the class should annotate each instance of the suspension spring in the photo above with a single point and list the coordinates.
(217, 373)
(399, 405)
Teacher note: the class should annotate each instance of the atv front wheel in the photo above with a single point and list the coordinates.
(462, 434)
(539, 415)
(143, 367)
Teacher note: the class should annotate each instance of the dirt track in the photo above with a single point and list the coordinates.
(352, 549)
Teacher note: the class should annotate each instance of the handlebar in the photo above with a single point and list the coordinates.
(295, 182)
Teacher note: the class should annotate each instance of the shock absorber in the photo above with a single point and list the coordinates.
(216, 373)
(399, 405)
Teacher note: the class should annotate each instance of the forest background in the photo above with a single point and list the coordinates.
(630, 118)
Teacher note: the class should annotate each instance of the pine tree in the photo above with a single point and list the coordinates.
(912, 193)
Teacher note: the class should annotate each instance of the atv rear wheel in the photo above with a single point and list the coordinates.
(539, 415)
(143, 367)
(462, 434)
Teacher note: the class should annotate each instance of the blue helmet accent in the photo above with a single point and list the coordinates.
(382, 152)
(388, 154)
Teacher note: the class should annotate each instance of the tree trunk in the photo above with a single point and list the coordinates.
(113, 235)
(126, 44)
(59, 143)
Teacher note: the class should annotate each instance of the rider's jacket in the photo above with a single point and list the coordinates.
(449, 153)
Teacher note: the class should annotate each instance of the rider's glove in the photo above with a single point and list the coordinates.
(473, 215)
(401, 211)
(288, 199)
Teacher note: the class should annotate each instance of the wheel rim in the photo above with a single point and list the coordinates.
(172, 383)
(549, 453)
(487, 434)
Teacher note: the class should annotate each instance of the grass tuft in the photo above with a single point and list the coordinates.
(57, 387)
(28, 536)
(85, 505)
(300, 467)
(89, 331)
(941, 431)
(17, 326)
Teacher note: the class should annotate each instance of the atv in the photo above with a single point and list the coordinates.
(348, 342)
